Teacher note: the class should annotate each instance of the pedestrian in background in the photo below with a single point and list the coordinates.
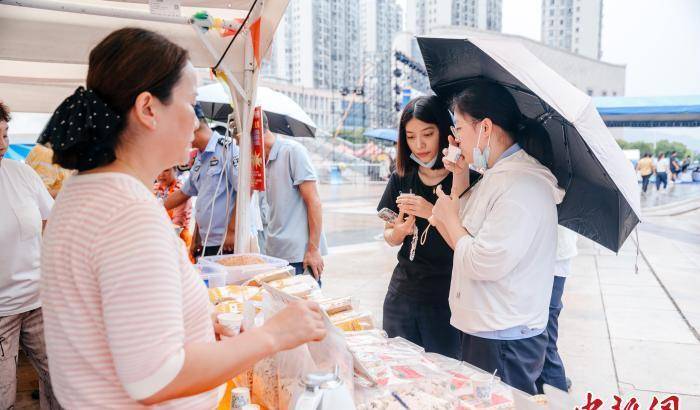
(294, 213)
(645, 166)
(25, 205)
(553, 372)
(662, 169)
(214, 181)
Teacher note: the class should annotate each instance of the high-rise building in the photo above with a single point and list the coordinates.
(318, 46)
(381, 20)
(424, 15)
(573, 25)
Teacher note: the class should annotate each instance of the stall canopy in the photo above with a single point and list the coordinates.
(385, 134)
(45, 47)
(678, 111)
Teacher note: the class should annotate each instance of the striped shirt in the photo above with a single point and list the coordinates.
(121, 298)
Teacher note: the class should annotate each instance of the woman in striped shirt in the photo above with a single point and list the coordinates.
(128, 323)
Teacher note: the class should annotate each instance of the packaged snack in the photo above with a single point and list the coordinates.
(234, 293)
(294, 281)
(335, 306)
(272, 275)
(353, 321)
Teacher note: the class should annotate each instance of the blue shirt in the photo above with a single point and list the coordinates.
(517, 332)
(287, 232)
(215, 169)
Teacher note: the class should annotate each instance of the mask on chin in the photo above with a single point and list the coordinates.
(428, 164)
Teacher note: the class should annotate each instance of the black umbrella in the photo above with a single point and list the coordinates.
(602, 194)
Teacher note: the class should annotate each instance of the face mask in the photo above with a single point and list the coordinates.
(481, 159)
(429, 164)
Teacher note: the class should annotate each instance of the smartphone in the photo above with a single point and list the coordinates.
(387, 215)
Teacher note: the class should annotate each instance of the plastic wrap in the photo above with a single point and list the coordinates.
(292, 364)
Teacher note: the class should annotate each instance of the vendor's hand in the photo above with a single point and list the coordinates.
(415, 205)
(300, 322)
(403, 227)
(459, 167)
(219, 329)
(313, 261)
(229, 242)
(446, 209)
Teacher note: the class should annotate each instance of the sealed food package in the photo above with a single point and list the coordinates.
(353, 321)
(294, 281)
(271, 275)
(366, 337)
(410, 398)
(337, 305)
(234, 293)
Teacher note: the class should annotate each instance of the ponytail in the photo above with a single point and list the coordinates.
(533, 138)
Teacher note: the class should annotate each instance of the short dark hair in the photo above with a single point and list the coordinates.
(121, 67)
(4, 112)
(427, 109)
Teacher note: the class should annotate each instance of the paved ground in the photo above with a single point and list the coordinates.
(622, 332)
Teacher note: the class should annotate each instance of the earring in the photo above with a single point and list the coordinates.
(154, 123)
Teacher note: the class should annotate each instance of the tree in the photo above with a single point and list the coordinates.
(667, 147)
(643, 147)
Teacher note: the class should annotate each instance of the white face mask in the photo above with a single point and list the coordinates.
(481, 159)
(430, 164)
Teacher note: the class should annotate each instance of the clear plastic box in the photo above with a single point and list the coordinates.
(236, 275)
(212, 275)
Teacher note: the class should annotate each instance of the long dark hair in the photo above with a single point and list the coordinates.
(427, 109)
(85, 130)
(485, 99)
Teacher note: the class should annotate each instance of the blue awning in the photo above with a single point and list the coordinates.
(678, 111)
(18, 151)
(386, 134)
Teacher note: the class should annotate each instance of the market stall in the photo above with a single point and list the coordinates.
(380, 372)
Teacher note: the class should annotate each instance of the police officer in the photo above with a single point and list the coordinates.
(213, 180)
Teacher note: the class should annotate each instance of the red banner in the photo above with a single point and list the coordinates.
(257, 152)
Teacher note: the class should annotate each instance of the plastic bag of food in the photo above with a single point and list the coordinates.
(321, 356)
(271, 275)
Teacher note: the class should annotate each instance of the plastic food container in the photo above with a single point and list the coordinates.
(212, 275)
(236, 275)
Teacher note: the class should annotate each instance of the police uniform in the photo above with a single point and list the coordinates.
(214, 180)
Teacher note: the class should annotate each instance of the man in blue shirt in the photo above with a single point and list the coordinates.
(213, 180)
(294, 216)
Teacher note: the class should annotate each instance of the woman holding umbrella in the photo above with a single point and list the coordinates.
(503, 232)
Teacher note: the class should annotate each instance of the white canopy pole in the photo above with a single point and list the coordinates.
(243, 232)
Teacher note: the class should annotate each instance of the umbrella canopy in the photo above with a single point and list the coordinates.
(284, 115)
(386, 134)
(602, 194)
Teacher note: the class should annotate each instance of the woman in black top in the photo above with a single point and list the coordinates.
(416, 305)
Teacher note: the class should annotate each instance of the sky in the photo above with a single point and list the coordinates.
(659, 41)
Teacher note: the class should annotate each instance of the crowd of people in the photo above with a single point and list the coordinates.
(100, 286)
(663, 168)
